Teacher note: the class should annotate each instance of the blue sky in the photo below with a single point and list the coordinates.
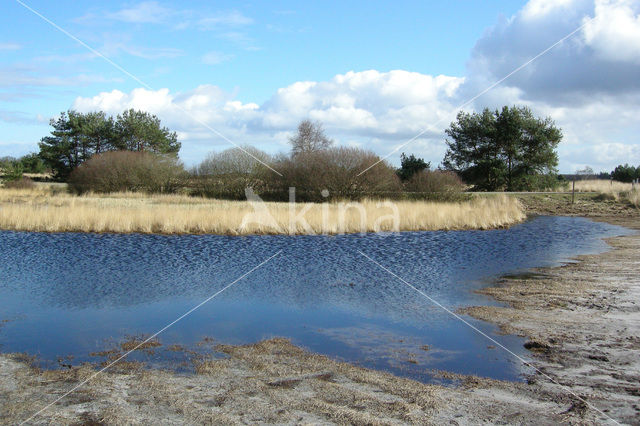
(368, 70)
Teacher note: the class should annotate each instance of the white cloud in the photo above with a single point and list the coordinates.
(10, 46)
(215, 58)
(143, 13)
(376, 107)
(152, 12)
(33, 76)
(116, 43)
(589, 85)
(615, 33)
(232, 18)
(601, 58)
(373, 102)
(537, 9)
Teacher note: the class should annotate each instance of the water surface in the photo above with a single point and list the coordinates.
(74, 294)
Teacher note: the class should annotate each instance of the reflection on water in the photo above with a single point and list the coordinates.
(67, 294)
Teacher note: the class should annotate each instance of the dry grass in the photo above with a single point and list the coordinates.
(44, 209)
(139, 343)
(634, 197)
(602, 186)
(618, 191)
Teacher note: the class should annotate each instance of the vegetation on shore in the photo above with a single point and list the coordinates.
(508, 149)
(44, 209)
(611, 190)
(124, 175)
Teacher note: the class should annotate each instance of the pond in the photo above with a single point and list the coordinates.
(73, 294)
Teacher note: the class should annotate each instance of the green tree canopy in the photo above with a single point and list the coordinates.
(502, 149)
(141, 131)
(410, 165)
(32, 163)
(77, 136)
(625, 173)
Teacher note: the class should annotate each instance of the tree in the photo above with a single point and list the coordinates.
(411, 165)
(62, 150)
(77, 136)
(141, 131)
(587, 171)
(32, 163)
(309, 138)
(625, 173)
(502, 149)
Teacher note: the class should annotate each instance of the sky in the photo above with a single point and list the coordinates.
(386, 76)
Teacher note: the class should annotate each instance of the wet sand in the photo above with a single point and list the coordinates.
(583, 325)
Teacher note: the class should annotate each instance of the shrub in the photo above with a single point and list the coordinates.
(13, 172)
(128, 171)
(233, 161)
(435, 185)
(22, 183)
(538, 182)
(337, 170)
(226, 174)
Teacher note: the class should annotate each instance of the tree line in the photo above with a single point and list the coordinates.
(492, 150)
(626, 173)
(319, 170)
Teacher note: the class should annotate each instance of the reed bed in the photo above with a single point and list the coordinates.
(40, 209)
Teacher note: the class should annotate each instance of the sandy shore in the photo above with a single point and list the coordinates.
(583, 320)
(583, 324)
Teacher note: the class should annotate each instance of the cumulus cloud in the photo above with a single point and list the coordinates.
(602, 58)
(588, 84)
(615, 33)
(381, 104)
(377, 108)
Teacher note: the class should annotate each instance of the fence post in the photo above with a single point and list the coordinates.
(573, 192)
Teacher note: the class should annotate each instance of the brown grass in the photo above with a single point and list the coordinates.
(618, 191)
(139, 343)
(43, 209)
(601, 185)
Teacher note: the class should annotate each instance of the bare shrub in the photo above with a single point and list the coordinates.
(435, 185)
(226, 174)
(336, 170)
(119, 171)
(22, 183)
(233, 161)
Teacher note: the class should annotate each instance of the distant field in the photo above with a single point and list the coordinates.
(51, 209)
